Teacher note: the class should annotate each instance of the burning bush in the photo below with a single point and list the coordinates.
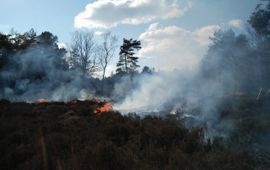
(105, 107)
(66, 136)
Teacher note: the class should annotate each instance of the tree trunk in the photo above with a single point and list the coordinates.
(103, 80)
(126, 64)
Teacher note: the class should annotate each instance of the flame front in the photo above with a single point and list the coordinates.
(106, 107)
(42, 101)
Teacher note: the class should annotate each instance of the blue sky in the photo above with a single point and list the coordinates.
(158, 23)
(56, 16)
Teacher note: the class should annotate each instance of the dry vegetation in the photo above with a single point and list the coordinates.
(71, 136)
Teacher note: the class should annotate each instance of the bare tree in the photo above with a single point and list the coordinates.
(107, 49)
(83, 52)
(106, 53)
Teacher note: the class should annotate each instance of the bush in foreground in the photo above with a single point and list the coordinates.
(71, 136)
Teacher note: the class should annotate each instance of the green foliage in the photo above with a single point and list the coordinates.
(12, 44)
(127, 61)
(28, 58)
(147, 70)
(241, 62)
(260, 18)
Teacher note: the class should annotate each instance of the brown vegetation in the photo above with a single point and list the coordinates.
(70, 136)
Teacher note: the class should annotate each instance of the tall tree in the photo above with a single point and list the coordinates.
(83, 52)
(47, 38)
(106, 51)
(260, 19)
(226, 60)
(12, 43)
(127, 61)
(260, 22)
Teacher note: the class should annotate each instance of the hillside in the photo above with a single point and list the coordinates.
(75, 135)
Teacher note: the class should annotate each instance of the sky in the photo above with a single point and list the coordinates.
(174, 33)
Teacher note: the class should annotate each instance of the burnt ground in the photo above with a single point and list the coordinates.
(70, 136)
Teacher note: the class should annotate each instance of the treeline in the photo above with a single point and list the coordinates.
(241, 62)
(30, 62)
(15, 44)
(34, 66)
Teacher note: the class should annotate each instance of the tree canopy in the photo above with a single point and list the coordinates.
(127, 60)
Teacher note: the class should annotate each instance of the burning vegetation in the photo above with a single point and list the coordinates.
(42, 101)
(103, 107)
(216, 117)
(60, 135)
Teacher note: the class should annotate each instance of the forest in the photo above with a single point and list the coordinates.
(29, 62)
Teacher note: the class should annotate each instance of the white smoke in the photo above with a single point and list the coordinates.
(39, 72)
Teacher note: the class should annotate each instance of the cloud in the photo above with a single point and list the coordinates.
(109, 13)
(236, 23)
(173, 47)
(98, 33)
(62, 45)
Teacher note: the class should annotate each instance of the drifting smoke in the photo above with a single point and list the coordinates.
(172, 92)
(39, 72)
(234, 66)
(184, 89)
(232, 72)
(228, 94)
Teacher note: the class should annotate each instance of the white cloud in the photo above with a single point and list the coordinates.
(173, 47)
(109, 13)
(236, 23)
(202, 35)
(62, 45)
(98, 33)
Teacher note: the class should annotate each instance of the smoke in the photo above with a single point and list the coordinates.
(184, 89)
(41, 72)
(228, 94)
(216, 90)
(176, 91)
(152, 91)
(213, 96)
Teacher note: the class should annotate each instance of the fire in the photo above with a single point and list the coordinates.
(42, 101)
(106, 107)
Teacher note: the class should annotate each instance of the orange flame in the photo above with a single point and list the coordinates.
(42, 101)
(106, 107)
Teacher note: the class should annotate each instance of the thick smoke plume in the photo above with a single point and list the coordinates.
(223, 95)
(228, 96)
(172, 92)
(40, 71)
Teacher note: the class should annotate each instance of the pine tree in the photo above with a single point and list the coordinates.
(127, 61)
